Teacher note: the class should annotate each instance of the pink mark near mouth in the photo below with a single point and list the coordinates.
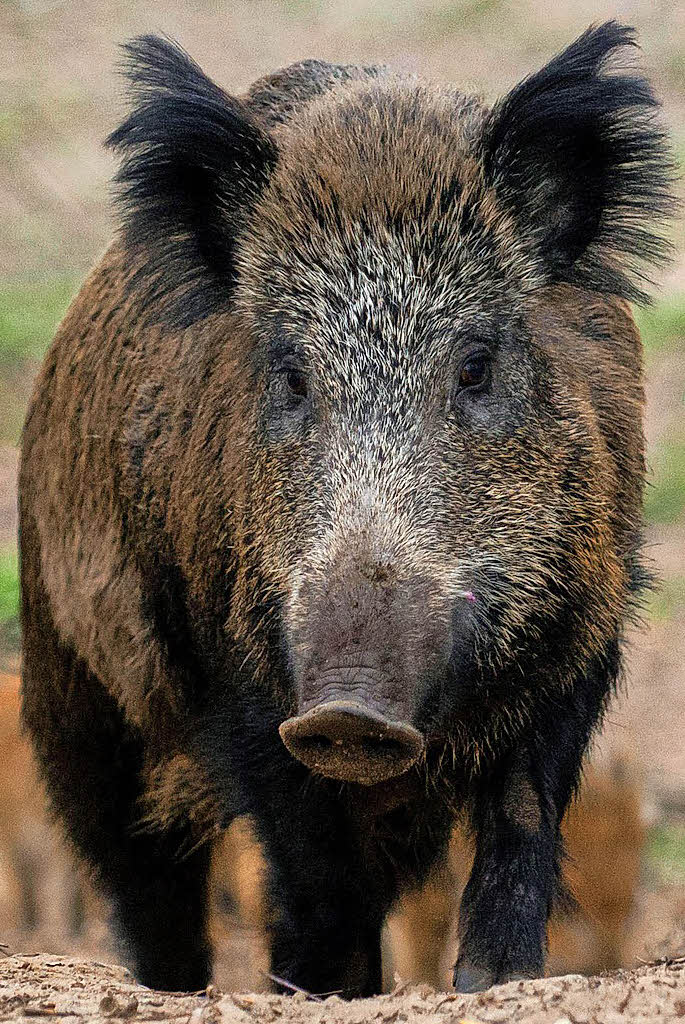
(468, 595)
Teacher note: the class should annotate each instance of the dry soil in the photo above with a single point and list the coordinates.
(43, 986)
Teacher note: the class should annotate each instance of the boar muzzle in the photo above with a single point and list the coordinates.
(344, 740)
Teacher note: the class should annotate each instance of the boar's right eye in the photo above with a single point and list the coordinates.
(297, 383)
(289, 386)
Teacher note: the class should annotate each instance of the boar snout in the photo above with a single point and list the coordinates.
(342, 739)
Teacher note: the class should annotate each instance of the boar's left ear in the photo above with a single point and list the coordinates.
(576, 155)
(194, 159)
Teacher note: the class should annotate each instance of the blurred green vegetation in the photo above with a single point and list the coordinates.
(9, 586)
(30, 310)
(666, 852)
(665, 495)
(674, 68)
(667, 599)
(13, 397)
(662, 325)
(10, 633)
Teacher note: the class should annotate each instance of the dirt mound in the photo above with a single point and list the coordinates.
(47, 986)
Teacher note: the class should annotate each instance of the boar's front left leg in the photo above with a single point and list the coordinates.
(325, 903)
(516, 876)
(513, 885)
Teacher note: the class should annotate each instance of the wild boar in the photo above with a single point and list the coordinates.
(331, 497)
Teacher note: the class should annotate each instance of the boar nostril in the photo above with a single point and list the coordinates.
(345, 740)
(316, 744)
(384, 747)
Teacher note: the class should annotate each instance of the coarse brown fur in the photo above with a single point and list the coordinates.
(258, 483)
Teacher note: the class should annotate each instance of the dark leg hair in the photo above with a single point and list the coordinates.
(516, 815)
(326, 900)
(91, 760)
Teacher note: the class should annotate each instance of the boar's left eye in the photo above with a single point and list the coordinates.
(474, 372)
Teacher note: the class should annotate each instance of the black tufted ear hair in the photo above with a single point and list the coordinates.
(575, 151)
(194, 159)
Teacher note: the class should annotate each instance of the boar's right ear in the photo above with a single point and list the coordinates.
(576, 155)
(194, 159)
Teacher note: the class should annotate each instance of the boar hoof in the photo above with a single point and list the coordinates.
(470, 978)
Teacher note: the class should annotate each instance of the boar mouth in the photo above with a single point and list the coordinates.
(348, 741)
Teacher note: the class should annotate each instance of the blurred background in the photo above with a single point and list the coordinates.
(59, 98)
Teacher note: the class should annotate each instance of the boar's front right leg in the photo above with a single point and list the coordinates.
(326, 912)
(325, 905)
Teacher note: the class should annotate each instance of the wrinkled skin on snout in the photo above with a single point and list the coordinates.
(330, 499)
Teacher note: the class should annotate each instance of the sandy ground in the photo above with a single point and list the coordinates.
(43, 986)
